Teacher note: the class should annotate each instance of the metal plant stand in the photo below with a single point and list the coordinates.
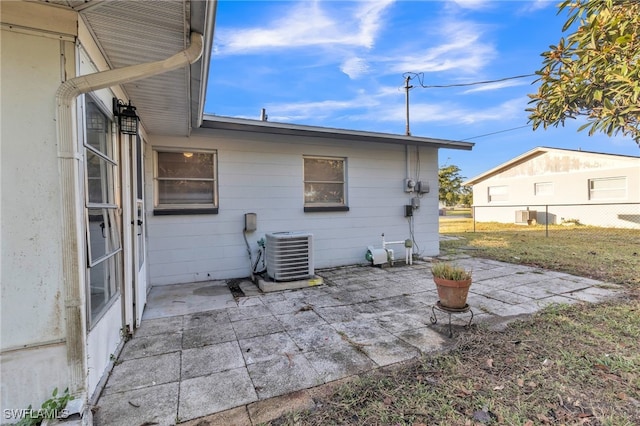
(450, 311)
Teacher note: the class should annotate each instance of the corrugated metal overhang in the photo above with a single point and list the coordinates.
(135, 32)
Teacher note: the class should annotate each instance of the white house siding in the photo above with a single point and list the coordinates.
(32, 320)
(569, 174)
(263, 174)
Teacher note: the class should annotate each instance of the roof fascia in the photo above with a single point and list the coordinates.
(203, 20)
(535, 153)
(504, 166)
(267, 127)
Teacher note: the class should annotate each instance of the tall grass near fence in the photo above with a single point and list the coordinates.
(608, 254)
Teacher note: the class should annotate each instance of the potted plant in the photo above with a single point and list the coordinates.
(452, 282)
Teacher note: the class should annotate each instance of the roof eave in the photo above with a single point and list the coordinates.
(519, 159)
(268, 127)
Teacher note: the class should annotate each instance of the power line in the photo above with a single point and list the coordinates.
(495, 133)
(420, 78)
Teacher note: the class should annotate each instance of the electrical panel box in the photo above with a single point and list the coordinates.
(408, 210)
(250, 222)
(415, 203)
(409, 184)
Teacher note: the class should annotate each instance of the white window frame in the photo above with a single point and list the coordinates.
(613, 193)
(330, 206)
(543, 189)
(185, 208)
(501, 195)
(109, 263)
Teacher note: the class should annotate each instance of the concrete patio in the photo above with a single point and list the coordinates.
(203, 357)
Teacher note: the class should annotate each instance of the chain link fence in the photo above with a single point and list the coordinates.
(545, 218)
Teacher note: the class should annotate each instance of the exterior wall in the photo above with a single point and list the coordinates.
(33, 341)
(569, 174)
(32, 319)
(263, 174)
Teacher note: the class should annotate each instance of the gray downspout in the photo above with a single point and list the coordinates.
(72, 210)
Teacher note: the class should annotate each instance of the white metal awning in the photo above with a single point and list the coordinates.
(135, 32)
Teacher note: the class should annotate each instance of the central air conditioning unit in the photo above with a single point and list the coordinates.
(289, 256)
(525, 216)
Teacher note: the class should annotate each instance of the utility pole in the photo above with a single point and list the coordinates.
(407, 87)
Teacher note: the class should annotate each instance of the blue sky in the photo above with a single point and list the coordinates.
(341, 64)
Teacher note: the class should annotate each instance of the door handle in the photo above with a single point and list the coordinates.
(139, 223)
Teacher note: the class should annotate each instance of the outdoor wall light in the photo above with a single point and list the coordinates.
(127, 117)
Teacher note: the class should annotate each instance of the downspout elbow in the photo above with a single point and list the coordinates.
(100, 80)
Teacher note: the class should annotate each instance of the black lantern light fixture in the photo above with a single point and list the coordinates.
(127, 117)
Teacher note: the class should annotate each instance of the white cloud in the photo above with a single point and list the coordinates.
(502, 112)
(355, 67)
(455, 114)
(532, 6)
(386, 104)
(472, 4)
(308, 23)
(370, 16)
(497, 85)
(464, 50)
(292, 112)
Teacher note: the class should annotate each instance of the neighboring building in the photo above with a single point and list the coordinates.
(92, 217)
(561, 185)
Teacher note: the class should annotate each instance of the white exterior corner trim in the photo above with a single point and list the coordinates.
(68, 164)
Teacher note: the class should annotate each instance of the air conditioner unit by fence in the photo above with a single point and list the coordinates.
(289, 256)
(524, 216)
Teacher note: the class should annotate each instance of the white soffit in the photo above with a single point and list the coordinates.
(136, 32)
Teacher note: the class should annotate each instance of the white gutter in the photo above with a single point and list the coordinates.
(72, 210)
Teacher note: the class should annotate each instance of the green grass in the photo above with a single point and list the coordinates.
(566, 365)
(608, 254)
(458, 212)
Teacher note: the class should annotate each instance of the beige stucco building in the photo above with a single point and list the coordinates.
(560, 185)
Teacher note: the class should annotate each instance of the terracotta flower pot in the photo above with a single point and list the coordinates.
(452, 294)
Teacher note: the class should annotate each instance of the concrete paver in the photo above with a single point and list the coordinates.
(204, 358)
(204, 395)
(144, 372)
(149, 405)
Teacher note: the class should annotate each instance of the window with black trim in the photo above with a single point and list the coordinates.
(185, 182)
(325, 184)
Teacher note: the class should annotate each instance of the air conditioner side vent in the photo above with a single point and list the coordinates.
(289, 256)
(524, 216)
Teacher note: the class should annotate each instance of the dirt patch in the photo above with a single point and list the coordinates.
(234, 286)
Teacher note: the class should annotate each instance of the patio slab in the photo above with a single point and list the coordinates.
(204, 395)
(202, 356)
(151, 405)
